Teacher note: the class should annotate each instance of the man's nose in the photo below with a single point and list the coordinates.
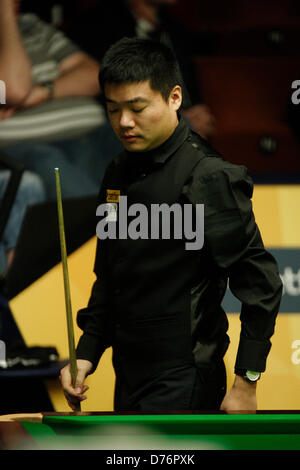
(126, 119)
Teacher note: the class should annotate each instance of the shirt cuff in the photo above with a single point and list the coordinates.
(252, 354)
(90, 348)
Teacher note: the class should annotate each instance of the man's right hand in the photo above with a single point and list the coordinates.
(75, 394)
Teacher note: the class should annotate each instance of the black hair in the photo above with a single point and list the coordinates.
(135, 60)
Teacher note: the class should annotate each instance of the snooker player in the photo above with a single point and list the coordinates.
(155, 302)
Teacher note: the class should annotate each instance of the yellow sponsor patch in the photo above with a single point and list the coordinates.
(112, 195)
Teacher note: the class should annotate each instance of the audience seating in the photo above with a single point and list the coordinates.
(250, 97)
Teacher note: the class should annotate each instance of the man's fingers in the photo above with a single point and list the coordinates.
(79, 384)
(75, 394)
(65, 377)
(72, 402)
(73, 399)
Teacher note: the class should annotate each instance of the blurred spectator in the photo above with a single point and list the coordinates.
(30, 191)
(52, 117)
(104, 24)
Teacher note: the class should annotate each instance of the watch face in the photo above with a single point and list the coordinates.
(252, 376)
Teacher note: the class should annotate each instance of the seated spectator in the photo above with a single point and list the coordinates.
(110, 20)
(30, 191)
(52, 117)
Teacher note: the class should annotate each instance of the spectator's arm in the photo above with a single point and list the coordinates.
(15, 66)
(78, 76)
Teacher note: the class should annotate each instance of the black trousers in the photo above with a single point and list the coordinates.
(183, 388)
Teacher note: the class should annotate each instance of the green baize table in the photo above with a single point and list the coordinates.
(264, 430)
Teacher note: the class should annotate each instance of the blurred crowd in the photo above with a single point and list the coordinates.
(53, 116)
(50, 56)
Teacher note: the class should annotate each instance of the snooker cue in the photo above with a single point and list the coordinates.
(72, 353)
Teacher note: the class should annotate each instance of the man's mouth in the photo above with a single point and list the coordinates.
(129, 137)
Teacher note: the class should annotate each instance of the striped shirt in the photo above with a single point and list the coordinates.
(59, 118)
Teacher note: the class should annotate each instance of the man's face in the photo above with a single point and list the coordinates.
(140, 117)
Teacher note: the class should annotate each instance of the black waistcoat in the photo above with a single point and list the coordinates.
(153, 283)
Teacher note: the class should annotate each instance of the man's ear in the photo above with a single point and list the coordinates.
(175, 98)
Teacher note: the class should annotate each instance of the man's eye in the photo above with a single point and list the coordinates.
(112, 111)
(138, 110)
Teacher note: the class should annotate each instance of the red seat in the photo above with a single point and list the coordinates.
(249, 98)
(236, 15)
(260, 42)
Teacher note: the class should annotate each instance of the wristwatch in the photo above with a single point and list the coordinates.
(250, 375)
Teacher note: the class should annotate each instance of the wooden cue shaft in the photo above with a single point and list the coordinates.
(71, 342)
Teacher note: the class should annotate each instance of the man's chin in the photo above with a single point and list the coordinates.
(135, 146)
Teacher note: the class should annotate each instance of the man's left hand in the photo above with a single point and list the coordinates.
(241, 397)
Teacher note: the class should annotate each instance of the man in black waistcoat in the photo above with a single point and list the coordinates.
(163, 263)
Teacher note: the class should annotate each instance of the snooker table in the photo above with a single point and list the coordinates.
(263, 430)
